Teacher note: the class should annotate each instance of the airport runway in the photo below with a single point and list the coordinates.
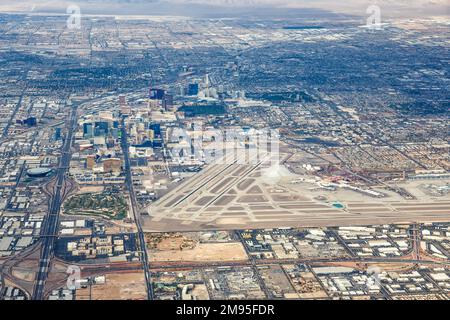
(237, 196)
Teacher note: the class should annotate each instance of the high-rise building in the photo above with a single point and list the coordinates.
(90, 161)
(125, 110)
(157, 143)
(181, 90)
(192, 89)
(151, 134)
(156, 127)
(101, 128)
(88, 130)
(114, 133)
(112, 165)
(122, 100)
(57, 135)
(156, 94)
(167, 102)
(31, 121)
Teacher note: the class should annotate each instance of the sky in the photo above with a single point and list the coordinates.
(191, 7)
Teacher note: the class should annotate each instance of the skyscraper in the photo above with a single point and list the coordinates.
(156, 94)
(87, 130)
(193, 89)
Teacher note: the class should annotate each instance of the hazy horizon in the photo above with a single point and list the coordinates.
(389, 8)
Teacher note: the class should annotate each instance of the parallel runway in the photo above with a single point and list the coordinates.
(230, 196)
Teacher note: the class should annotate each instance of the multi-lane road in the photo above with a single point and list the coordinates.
(50, 228)
(134, 208)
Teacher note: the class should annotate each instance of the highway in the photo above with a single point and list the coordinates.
(134, 208)
(16, 109)
(50, 227)
(165, 266)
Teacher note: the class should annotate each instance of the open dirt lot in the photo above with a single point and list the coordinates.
(230, 251)
(119, 286)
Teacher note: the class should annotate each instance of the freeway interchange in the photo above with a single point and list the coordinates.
(50, 230)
